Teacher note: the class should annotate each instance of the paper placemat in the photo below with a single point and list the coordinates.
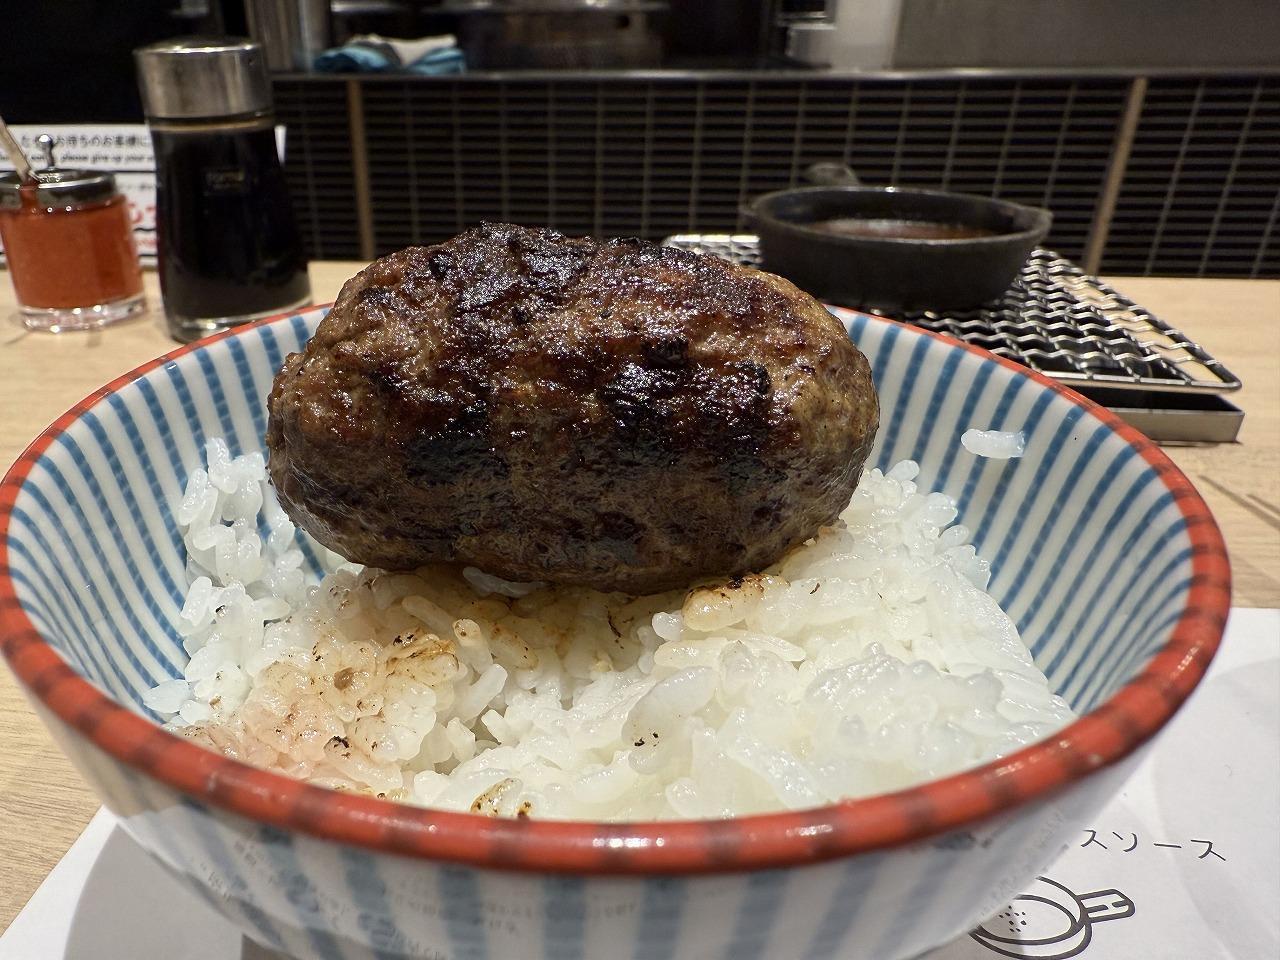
(1184, 862)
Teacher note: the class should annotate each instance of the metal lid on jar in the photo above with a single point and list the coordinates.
(194, 78)
(57, 186)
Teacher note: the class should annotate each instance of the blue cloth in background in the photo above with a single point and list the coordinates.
(353, 58)
(364, 55)
(451, 60)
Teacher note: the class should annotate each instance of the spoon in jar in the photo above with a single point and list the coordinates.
(16, 156)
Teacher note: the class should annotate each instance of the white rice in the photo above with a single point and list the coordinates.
(869, 659)
(994, 444)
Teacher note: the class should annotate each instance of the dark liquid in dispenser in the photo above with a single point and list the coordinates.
(227, 242)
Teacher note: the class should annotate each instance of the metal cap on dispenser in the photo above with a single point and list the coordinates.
(57, 186)
(202, 77)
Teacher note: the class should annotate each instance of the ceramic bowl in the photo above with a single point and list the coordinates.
(1103, 554)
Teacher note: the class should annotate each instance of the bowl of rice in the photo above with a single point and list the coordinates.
(862, 750)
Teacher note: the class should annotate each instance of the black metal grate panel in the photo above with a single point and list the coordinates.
(1056, 319)
(1201, 193)
(1042, 142)
(656, 157)
(318, 166)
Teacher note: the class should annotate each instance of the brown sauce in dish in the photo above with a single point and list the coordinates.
(899, 229)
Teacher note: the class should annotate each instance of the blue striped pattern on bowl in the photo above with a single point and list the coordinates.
(1091, 557)
(1088, 550)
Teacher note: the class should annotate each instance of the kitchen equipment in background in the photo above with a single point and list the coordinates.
(292, 33)
(841, 34)
(894, 249)
(1005, 34)
(1070, 326)
(558, 34)
(69, 244)
(1142, 35)
(227, 244)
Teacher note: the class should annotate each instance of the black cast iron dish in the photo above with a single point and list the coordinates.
(886, 272)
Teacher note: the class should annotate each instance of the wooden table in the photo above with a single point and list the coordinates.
(44, 804)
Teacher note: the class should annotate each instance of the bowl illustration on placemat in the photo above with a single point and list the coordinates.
(1050, 921)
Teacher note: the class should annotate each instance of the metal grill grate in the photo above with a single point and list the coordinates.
(318, 166)
(1201, 193)
(661, 156)
(1055, 319)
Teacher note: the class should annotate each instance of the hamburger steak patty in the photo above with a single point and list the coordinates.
(608, 413)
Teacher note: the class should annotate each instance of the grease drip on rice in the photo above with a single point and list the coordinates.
(871, 658)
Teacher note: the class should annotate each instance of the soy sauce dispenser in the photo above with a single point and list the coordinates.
(227, 243)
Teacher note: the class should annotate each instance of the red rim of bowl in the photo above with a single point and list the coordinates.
(1101, 737)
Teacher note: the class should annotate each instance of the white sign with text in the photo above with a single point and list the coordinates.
(122, 148)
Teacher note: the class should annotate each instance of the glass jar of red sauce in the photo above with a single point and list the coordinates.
(69, 246)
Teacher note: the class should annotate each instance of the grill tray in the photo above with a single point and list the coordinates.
(1055, 319)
